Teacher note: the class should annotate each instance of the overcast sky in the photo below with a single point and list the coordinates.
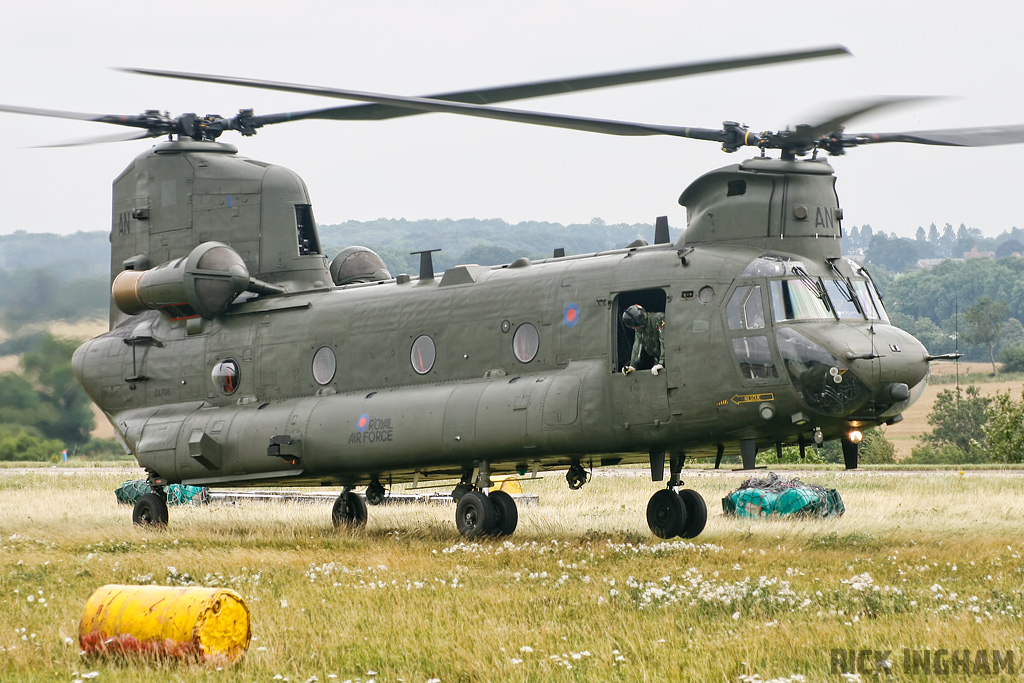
(58, 55)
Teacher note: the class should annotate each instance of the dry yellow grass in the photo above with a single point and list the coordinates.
(581, 592)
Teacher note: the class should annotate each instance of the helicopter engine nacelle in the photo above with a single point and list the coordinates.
(204, 283)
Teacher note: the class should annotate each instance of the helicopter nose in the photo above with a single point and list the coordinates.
(896, 365)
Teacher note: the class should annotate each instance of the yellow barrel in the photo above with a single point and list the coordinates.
(506, 483)
(163, 621)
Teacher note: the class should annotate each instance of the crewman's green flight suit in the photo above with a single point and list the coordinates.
(650, 338)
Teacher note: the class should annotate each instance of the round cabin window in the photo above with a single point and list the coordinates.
(526, 342)
(225, 376)
(325, 364)
(423, 354)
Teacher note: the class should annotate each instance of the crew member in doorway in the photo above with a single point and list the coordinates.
(649, 339)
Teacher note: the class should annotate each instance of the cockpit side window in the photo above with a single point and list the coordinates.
(745, 310)
(754, 357)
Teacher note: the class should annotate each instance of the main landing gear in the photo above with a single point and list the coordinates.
(479, 514)
(673, 512)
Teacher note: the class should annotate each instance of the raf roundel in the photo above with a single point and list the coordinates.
(571, 315)
(363, 422)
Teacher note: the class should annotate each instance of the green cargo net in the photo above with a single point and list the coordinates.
(783, 497)
(177, 494)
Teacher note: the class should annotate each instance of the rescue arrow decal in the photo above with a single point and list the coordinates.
(739, 399)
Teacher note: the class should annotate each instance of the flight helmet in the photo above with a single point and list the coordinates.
(634, 317)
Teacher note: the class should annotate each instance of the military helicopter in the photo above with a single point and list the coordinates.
(237, 356)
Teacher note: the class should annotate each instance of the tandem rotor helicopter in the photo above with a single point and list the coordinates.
(238, 356)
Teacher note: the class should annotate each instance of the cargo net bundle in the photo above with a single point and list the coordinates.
(784, 497)
(177, 494)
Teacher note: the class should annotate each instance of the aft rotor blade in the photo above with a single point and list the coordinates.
(851, 110)
(951, 137)
(522, 91)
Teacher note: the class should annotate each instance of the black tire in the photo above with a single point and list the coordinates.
(349, 511)
(475, 515)
(150, 511)
(666, 514)
(375, 493)
(696, 513)
(506, 514)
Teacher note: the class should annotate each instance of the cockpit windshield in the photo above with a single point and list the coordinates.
(799, 299)
(870, 300)
(810, 298)
(844, 302)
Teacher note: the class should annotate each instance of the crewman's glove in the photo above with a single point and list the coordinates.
(657, 368)
(627, 369)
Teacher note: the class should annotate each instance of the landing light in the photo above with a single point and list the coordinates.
(855, 436)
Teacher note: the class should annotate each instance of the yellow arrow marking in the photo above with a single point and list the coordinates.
(752, 398)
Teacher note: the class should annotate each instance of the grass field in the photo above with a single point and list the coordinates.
(582, 592)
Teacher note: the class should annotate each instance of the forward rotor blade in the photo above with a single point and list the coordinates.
(377, 112)
(424, 104)
(148, 121)
(116, 137)
(380, 111)
(34, 111)
(951, 137)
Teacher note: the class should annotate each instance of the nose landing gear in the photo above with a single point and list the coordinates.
(349, 510)
(480, 515)
(375, 492)
(673, 511)
(577, 476)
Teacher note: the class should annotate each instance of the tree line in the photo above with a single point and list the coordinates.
(973, 306)
(901, 254)
(43, 409)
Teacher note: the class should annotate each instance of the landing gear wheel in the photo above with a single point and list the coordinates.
(577, 477)
(375, 493)
(349, 511)
(150, 511)
(505, 512)
(696, 513)
(475, 515)
(666, 514)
